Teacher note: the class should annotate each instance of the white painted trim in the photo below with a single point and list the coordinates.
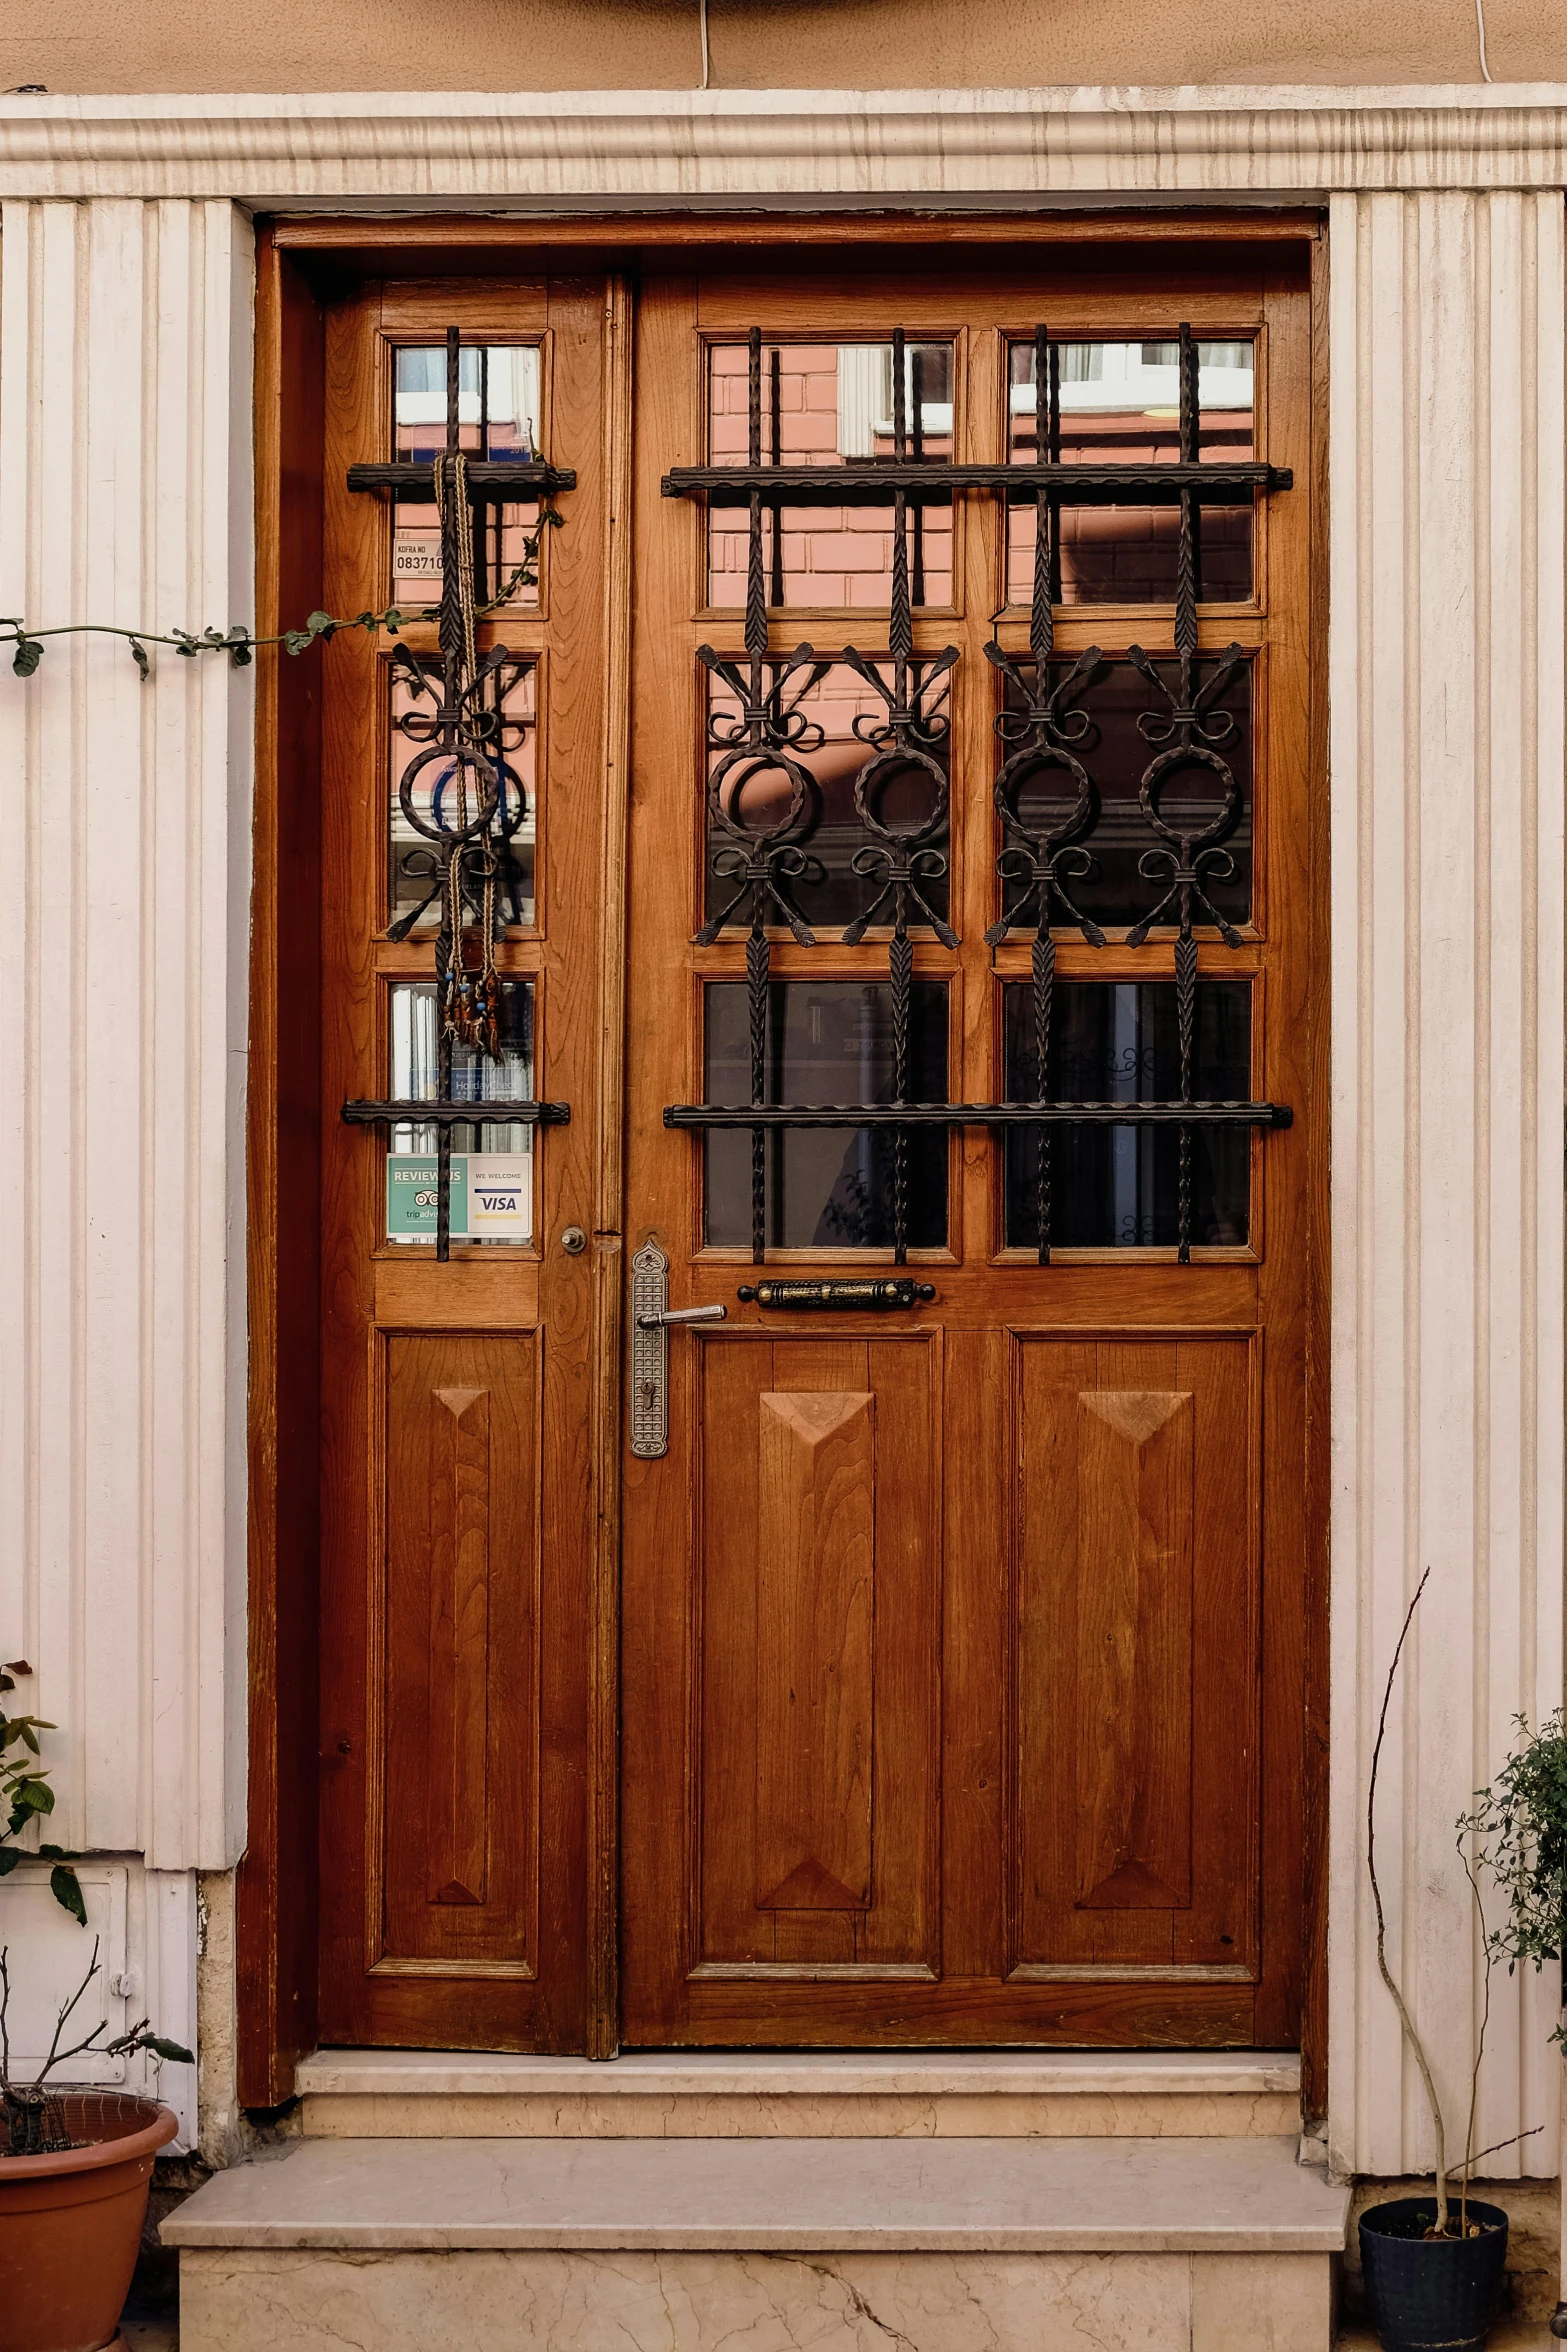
(126, 496)
(608, 149)
(1445, 658)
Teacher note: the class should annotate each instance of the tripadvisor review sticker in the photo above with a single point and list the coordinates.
(491, 1196)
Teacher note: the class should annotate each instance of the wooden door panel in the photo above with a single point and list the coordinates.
(815, 1550)
(951, 1634)
(1137, 1657)
(459, 1626)
(459, 1509)
(816, 1658)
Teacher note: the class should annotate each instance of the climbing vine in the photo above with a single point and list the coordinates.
(28, 645)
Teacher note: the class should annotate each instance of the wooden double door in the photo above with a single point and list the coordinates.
(916, 1651)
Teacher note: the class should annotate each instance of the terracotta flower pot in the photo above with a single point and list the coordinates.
(70, 2224)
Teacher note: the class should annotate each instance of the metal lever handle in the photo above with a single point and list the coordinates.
(651, 1316)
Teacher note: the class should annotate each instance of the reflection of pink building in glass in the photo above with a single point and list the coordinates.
(824, 404)
(827, 404)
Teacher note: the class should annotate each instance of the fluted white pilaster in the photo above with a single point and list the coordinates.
(125, 369)
(1446, 681)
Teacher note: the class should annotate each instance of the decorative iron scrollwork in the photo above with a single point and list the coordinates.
(1043, 729)
(476, 801)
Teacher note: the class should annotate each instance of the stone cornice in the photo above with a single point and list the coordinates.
(613, 148)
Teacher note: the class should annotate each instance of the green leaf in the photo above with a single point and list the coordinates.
(164, 2049)
(26, 656)
(67, 1892)
(11, 1857)
(32, 1796)
(139, 657)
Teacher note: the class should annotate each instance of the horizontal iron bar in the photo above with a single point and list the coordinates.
(1073, 485)
(1010, 1114)
(452, 1114)
(489, 477)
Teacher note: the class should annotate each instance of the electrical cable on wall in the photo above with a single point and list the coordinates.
(1485, 70)
(701, 15)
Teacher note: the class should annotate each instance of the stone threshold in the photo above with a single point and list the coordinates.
(1092, 2196)
(710, 2074)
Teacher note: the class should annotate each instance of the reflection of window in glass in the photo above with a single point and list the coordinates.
(829, 698)
(414, 1024)
(413, 897)
(1118, 1187)
(827, 405)
(498, 412)
(828, 1188)
(1121, 405)
(1190, 799)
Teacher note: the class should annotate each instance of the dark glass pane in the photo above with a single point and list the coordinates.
(830, 404)
(498, 412)
(827, 1187)
(830, 700)
(1191, 799)
(1120, 405)
(412, 896)
(1117, 1187)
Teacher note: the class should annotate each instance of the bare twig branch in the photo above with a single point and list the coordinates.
(1399, 2003)
(1470, 2158)
(65, 2011)
(74, 2051)
(1497, 2145)
(5, 2005)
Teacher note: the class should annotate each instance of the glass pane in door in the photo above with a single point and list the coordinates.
(828, 1188)
(1115, 1187)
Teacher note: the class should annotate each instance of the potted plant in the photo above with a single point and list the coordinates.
(75, 2165)
(1433, 2265)
(1519, 1828)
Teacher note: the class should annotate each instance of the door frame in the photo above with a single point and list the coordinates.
(301, 263)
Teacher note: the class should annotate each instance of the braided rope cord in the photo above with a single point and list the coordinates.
(471, 999)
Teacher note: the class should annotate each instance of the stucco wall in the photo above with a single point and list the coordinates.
(200, 45)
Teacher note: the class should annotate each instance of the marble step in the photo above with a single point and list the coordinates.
(409, 2094)
(1062, 2245)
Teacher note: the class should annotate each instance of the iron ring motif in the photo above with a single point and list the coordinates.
(1043, 861)
(900, 857)
(473, 742)
(763, 737)
(1186, 860)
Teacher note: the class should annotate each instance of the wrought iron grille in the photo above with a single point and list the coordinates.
(460, 793)
(759, 726)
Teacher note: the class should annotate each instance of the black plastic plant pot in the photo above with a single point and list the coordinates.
(1430, 2293)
